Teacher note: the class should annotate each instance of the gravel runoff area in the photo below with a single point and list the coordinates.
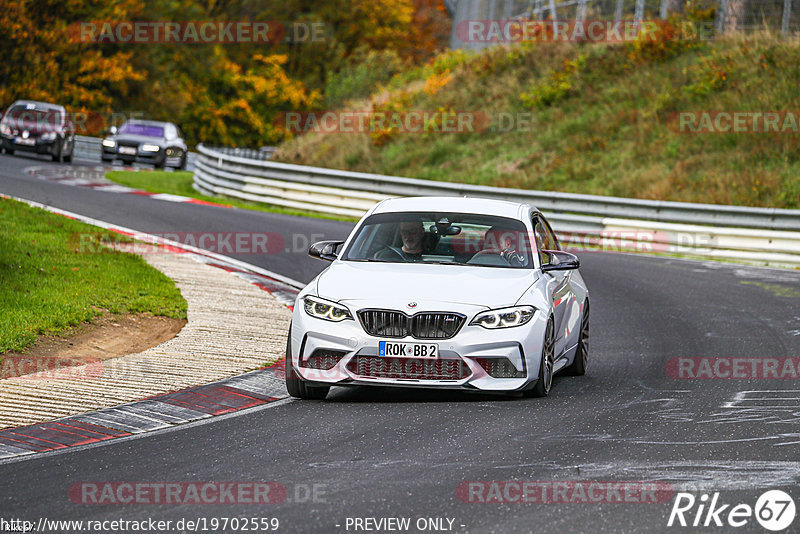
(233, 327)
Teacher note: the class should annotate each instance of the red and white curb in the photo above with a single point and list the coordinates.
(162, 411)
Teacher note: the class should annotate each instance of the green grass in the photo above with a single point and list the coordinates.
(602, 121)
(51, 283)
(180, 183)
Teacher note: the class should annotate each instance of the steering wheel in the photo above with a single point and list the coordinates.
(379, 254)
(513, 258)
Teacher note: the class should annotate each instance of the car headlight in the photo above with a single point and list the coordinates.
(150, 148)
(326, 310)
(5, 129)
(48, 136)
(504, 317)
(110, 143)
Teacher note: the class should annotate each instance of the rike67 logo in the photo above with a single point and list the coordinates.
(774, 510)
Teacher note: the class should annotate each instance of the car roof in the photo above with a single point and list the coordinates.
(147, 123)
(46, 105)
(485, 206)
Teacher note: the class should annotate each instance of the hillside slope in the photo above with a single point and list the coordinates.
(604, 119)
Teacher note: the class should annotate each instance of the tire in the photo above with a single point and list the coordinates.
(68, 159)
(578, 366)
(107, 160)
(10, 151)
(545, 380)
(59, 157)
(295, 385)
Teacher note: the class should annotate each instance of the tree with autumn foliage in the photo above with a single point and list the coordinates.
(40, 61)
(219, 94)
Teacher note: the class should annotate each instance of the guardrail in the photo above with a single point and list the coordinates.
(87, 148)
(756, 235)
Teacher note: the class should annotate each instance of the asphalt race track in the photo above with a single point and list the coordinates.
(379, 453)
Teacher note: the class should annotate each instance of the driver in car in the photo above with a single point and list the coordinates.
(412, 234)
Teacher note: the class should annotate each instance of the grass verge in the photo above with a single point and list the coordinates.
(180, 183)
(591, 118)
(50, 284)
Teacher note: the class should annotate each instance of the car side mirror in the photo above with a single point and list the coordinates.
(324, 250)
(560, 261)
(113, 130)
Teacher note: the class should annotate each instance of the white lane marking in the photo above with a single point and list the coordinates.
(170, 198)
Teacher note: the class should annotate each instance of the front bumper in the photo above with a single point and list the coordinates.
(460, 357)
(38, 145)
(152, 158)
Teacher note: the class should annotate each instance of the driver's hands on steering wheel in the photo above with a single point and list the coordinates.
(513, 258)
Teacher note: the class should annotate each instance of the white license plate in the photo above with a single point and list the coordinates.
(127, 150)
(408, 350)
(23, 141)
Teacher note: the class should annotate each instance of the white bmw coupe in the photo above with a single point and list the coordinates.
(441, 292)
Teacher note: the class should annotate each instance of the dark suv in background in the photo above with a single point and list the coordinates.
(38, 127)
(158, 143)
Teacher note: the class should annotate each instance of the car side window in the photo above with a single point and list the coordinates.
(545, 239)
(551, 235)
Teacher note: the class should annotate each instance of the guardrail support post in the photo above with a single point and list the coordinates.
(722, 11)
(787, 14)
(638, 15)
(581, 14)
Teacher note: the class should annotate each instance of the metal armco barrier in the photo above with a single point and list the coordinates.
(763, 236)
(87, 147)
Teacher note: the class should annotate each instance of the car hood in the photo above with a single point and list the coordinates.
(395, 285)
(128, 138)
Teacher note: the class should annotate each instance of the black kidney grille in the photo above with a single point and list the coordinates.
(436, 325)
(384, 323)
(425, 325)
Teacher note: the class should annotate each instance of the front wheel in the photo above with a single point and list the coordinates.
(295, 385)
(581, 361)
(545, 381)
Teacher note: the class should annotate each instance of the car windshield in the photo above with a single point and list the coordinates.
(29, 115)
(147, 130)
(442, 238)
